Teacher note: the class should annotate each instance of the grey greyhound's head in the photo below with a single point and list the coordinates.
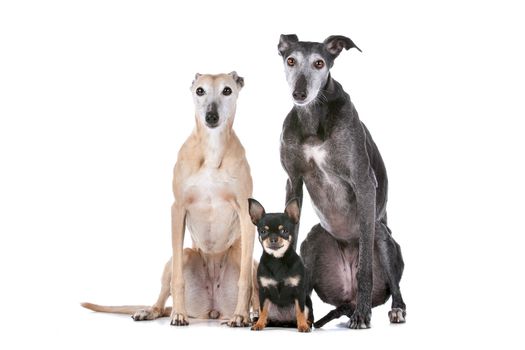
(307, 64)
(215, 98)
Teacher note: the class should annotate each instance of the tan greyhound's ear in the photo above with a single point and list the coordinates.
(239, 80)
(292, 210)
(197, 76)
(256, 210)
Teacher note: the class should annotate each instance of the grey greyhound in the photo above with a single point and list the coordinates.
(351, 258)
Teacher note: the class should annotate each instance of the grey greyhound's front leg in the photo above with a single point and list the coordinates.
(359, 174)
(366, 197)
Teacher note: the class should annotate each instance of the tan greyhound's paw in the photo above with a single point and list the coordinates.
(178, 319)
(239, 321)
(146, 314)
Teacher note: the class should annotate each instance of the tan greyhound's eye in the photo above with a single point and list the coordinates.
(291, 61)
(319, 64)
(227, 91)
(199, 91)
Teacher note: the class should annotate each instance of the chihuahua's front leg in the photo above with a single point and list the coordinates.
(241, 317)
(179, 317)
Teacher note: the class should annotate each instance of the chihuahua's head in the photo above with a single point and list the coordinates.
(275, 229)
(215, 98)
(307, 64)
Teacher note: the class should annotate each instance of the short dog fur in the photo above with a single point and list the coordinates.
(351, 258)
(281, 276)
(211, 185)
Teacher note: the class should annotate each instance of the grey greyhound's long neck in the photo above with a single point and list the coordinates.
(313, 118)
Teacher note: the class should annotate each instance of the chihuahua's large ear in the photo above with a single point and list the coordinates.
(285, 42)
(239, 80)
(336, 43)
(256, 210)
(292, 210)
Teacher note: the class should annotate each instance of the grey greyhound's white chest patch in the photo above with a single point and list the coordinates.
(315, 153)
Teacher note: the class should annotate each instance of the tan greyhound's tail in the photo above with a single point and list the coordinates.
(124, 309)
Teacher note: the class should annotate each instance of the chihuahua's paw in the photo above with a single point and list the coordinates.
(258, 326)
(304, 328)
(239, 321)
(397, 315)
(146, 314)
(360, 320)
(178, 319)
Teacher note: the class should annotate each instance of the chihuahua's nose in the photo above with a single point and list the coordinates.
(274, 239)
(299, 95)
(212, 118)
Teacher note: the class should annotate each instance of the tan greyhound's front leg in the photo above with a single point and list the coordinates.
(241, 317)
(179, 316)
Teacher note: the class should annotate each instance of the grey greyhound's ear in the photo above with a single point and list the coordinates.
(256, 210)
(285, 42)
(239, 80)
(292, 210)
(336, 43)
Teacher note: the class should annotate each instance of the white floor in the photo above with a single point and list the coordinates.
(76, 328)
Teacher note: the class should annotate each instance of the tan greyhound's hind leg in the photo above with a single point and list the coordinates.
(158, 310)
(197, 291)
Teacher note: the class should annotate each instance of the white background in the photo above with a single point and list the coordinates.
(94, 105)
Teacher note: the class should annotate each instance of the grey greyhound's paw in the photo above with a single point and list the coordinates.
(360, 320)
(178, 319)
(239, 321)
(397, 315)
(146, 314)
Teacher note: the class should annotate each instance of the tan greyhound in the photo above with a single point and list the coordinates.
(211, 186)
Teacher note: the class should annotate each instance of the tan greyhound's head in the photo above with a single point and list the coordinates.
(215, 98)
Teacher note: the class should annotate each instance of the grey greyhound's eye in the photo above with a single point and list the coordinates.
(290, 61)
(199, 91)
(319, 64)
(227, 91)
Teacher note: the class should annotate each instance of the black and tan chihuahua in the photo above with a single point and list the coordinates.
(281, 275)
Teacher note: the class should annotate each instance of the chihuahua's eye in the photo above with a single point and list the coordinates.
(226, 91)
(284, 231)
(291, 61)
(199, 91)
(319, 64)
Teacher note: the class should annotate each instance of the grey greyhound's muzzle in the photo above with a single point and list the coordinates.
(212, 116)
(300, 90)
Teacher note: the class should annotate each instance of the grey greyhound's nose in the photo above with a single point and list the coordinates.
(212, 118)
(299, 91)
(299, 95)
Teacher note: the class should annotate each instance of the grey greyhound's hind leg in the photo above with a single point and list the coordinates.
(331, 268)
(391, 260)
